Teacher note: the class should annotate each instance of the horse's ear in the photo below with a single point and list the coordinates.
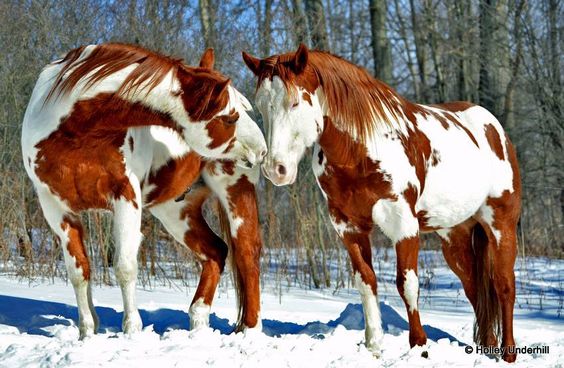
(208, 59)
(221, 86)
(300, 59)
(252, 62)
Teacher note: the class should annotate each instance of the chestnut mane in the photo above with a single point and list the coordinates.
(358, 103)
(110, 58)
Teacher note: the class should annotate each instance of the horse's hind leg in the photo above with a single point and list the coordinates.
(501, 230)
(127, 237)
(185, 222)
(460, 255)
(68, 229)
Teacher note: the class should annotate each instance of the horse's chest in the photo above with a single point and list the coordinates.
(352, 192)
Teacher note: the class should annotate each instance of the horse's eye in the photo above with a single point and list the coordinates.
(295, 104)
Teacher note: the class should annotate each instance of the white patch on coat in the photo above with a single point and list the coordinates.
(219, 182)
(411, 289)
(395, 219)
(199, 313)
(373, 321)
(174, 144)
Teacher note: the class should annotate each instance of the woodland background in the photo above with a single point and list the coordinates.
(503, 54)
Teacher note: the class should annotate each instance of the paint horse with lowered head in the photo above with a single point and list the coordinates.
(407, 168)
(117, 127)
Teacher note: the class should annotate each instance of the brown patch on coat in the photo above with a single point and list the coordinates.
(352, 182)
(435, 157)
(246, 248)
(82, 160)
(211, 249)
(417, 148)
(228, 167)
(411, 195)
(454, 106)
(494, 140)
(75, 245)
(221, 129)
(173, 178)
(307, 98)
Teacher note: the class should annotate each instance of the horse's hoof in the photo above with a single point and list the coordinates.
(509, 357)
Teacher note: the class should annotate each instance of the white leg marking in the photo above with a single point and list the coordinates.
(127, 234)
(199, 315)
(372, 318)
(411, 289)
(54, 211)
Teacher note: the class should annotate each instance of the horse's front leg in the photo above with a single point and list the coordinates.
(407, 250)
(127, 237)
(236, 191)
(359, 249)
(396, 219)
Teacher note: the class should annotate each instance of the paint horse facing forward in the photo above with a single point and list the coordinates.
(408, 168)
(117, 127)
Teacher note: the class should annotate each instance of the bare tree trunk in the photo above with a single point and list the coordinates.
(493, 55)
(419, 40)
(301, 32)
(440, 93)
(508, 117)
(405, 40)
(266, 31)
(317, 24)
(207, 18)
(381, 49)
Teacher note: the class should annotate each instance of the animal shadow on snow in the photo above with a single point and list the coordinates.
(36, 317)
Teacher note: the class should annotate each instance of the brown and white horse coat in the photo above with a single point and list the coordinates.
(408, 168)
(117, 127)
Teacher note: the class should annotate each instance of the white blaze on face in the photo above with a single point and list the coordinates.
(293, 122)
(411, 289)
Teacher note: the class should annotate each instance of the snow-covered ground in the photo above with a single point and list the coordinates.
(301, 328)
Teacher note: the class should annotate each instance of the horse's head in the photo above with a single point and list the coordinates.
(218, 126)
(287, 97)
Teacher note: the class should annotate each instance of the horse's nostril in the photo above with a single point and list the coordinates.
(281, 170)
(263, 153)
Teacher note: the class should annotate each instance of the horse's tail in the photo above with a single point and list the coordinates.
(487, 302)
(237, 278)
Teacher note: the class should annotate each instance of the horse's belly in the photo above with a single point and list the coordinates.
(454, 191)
